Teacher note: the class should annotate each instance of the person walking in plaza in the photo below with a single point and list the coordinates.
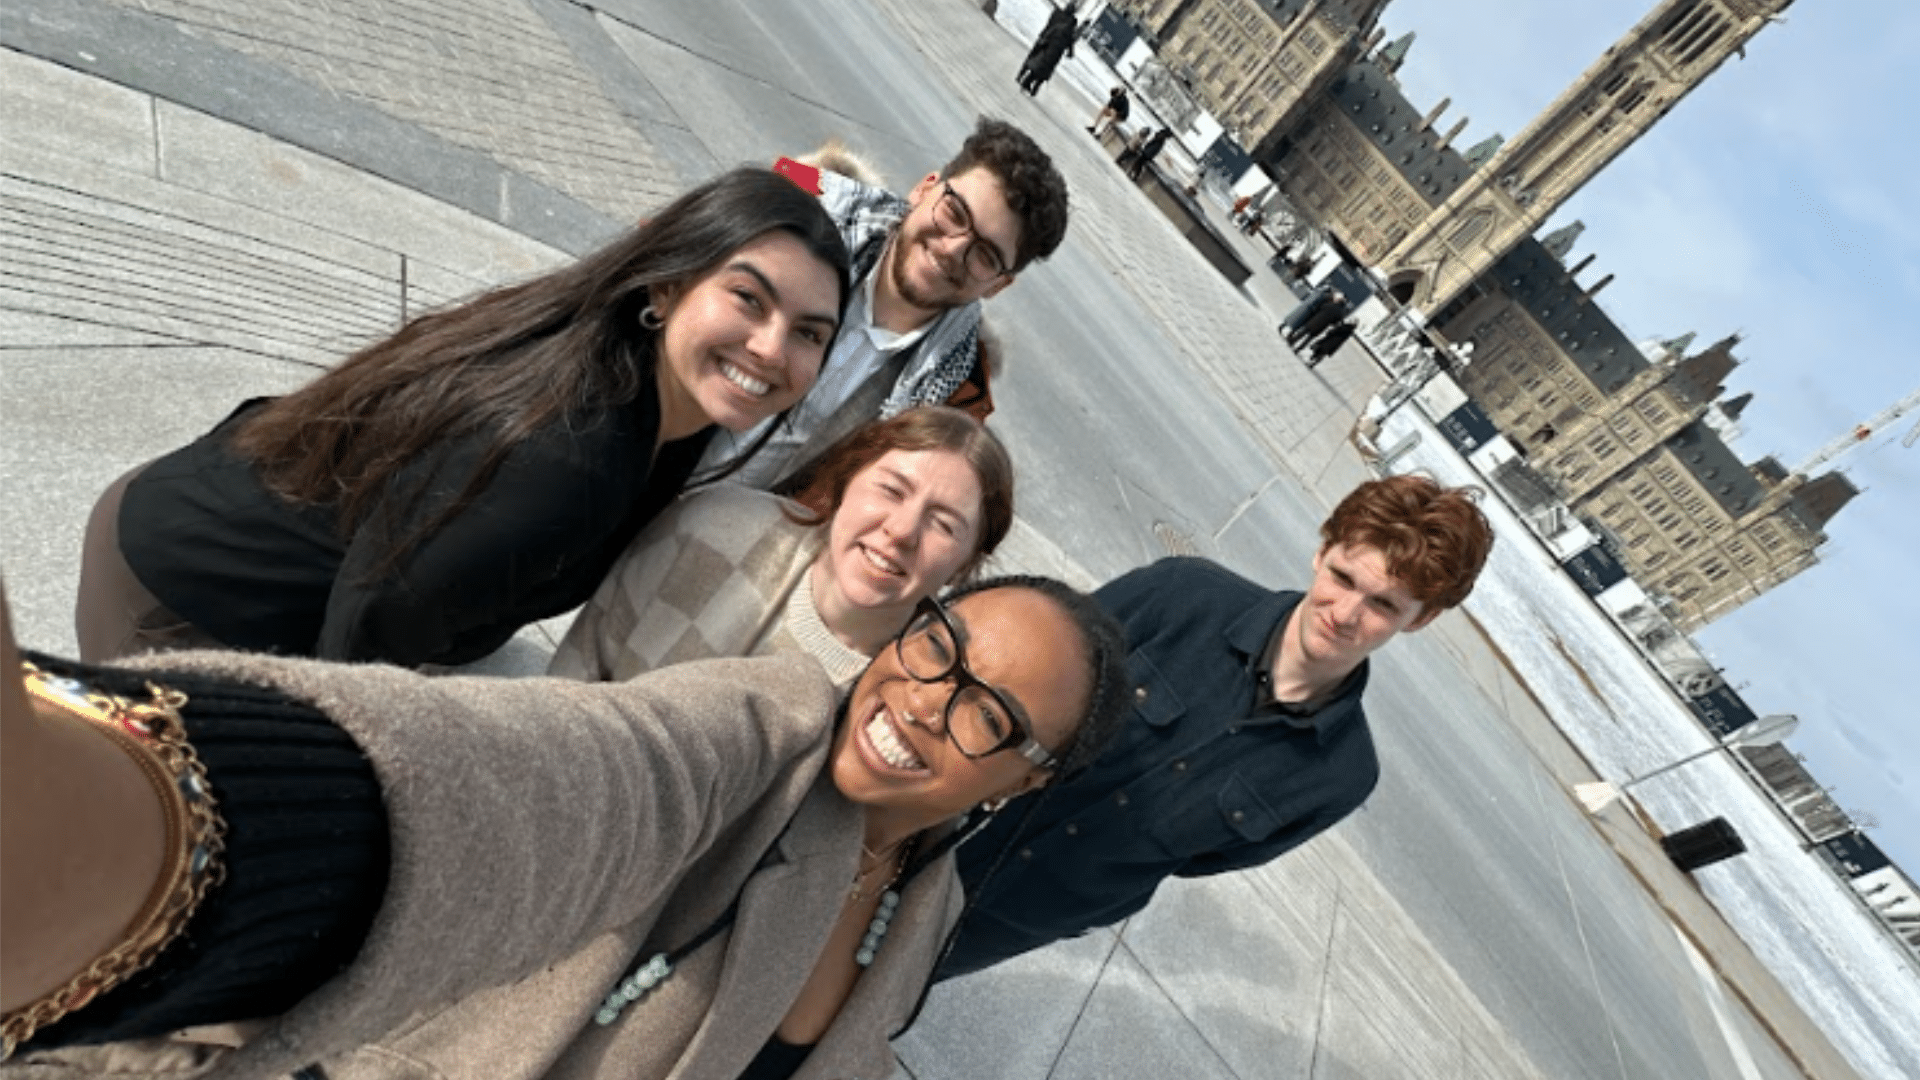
(1329, 343)
(482, 468)
(226, 865)
(1130, 148)
(922, 265)
(892, 514)
(1332, 311)
(1148, 151)
(1054, 41)
(1113, 113)
(1310, 305)
(1247, 735)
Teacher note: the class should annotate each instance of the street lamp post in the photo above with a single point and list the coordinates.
(1765, 731)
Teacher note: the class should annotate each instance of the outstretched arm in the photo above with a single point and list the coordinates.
(73, 871)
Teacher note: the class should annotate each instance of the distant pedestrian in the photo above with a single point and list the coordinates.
(1131, 151)
(1329, 343)
(1148, 152)
(1055, 41)
(1317, 323)
(1114, 114)
(1310, 305)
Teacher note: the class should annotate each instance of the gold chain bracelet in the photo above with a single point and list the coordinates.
(152, 734)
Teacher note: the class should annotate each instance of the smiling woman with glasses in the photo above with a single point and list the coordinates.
(977, 718)
(718, 869)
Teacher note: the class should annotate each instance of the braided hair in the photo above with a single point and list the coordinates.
(1107, 703)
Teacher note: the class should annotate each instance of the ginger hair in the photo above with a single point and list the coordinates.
(1435, 538)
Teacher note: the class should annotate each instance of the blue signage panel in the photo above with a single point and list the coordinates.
(1111, 34)
(1721, 711)
(1595, 570)
(1853, 854)
(1468, 428)
(1226, 159)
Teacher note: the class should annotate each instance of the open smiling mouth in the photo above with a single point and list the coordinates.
(739, 378)
(881, 563)
(887, 743)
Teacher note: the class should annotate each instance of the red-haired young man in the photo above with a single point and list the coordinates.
(1247, 735)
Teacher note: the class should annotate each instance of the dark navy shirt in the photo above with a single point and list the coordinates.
(1208, 773)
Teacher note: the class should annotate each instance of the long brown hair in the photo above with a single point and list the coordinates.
(823, 485)
(516, 358)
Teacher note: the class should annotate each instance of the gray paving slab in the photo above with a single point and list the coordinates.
(1131, 1031)
(1012, 1022)
(586, 33)
(205, 154)
(32, 330)
(488, 75)
(54, 110)
(1244, 962)
(1217, 978)
(741, 118)
(134, 48)
(1392, 1006)
(152, 265)
(74, 420)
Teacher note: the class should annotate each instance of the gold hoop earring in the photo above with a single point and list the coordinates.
(650, 318)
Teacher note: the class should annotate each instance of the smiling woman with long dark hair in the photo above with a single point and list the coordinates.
(484, 466)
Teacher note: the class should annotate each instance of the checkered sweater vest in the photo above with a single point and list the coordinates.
(722, 572)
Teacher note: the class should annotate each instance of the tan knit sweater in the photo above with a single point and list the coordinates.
(722, 572)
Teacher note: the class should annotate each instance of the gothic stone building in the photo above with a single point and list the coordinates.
(1633, 442)
(1379, 175)
(1256, 64)
(1629, 441)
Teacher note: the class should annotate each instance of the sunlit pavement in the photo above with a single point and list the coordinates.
(210, 200)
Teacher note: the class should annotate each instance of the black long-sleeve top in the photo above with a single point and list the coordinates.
(211, 542)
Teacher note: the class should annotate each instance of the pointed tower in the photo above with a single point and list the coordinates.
(1395, 54)
(1613, 103)
(1560, 241)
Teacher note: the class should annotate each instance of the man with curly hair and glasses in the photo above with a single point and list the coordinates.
(922, 264)
(1247, 736)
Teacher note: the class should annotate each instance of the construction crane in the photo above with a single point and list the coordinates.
(1865, 431)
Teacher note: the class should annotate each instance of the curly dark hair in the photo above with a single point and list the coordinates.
(1036, 192)
(1110, 695)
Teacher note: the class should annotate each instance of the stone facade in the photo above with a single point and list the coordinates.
(1256, 65)
(1630, 438)
(1705, 534)
(1615, 101)
(1472, 206)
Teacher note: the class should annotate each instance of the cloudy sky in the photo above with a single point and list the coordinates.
(1767, 203)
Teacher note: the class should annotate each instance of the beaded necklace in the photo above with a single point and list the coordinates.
(889, 905)
(643, 975)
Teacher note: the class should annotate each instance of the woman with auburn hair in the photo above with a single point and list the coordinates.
(889, 515)
(483, 467)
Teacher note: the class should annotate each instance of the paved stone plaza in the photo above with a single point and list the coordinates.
(206, 200)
